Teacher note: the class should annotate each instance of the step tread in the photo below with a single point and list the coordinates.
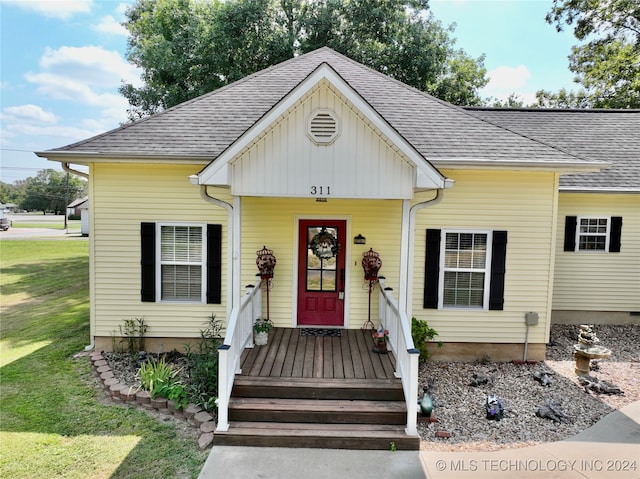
(322, 383)
(324, 405)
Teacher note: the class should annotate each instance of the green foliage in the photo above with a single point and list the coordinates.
(160, 379)
(262, 325)
(608, 65)
(132, 334)
(421, 333)
(186, 48)
(53, 422)
(51, 191)
(203, 366)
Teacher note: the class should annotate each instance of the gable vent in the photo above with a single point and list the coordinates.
(323, 127)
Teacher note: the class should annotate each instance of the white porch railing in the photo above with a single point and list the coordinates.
(401, 342)
(238, 337)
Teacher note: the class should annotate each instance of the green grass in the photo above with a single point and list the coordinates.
(52, 423)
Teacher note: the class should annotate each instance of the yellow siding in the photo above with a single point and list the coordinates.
(521, 203)
(599, 281)
(124, 196)
(273, 222)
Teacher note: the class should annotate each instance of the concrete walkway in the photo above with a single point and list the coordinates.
(608, 450)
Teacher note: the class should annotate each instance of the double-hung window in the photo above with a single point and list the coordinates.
(465, 262)
(182, 262)
(593, 234)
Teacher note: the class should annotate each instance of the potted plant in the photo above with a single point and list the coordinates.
(262, 327)
(380, 338)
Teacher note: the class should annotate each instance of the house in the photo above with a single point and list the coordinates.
(326, 163)
(80, 207)
(74, 207)
(597, 265)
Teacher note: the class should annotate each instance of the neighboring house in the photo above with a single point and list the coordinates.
(75, 207)
(597, 265)
(462, 212)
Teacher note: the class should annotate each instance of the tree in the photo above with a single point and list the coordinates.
(187, 47)
(51, 190)
(607, 67)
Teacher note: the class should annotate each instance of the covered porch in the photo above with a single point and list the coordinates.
(307, 390)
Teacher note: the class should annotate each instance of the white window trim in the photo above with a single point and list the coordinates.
(607, 234)
(203, 269)
(487, 270)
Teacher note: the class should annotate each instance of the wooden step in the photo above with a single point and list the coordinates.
(309, 388)
(334, 411)
(326, 436)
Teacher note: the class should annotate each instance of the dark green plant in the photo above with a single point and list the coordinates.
(203, 366)
(262, 325)
(160, 379)
(132, 333)
(421, 333)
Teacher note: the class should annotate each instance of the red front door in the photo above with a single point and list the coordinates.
(321, 263)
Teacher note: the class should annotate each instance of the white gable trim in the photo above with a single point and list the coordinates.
(217, 172)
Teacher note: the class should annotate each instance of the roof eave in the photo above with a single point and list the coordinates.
(604, 189)
(563, 167)
(85, 157)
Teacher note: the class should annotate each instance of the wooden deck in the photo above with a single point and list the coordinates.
(289, 354)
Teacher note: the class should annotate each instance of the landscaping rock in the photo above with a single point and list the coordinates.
(191, 411)
(208, 426)
(100, 362)
(201, 417)
(110, 382)
(106, 375)
(205, 440)
(159, 403)
(114, 389)
(102, 369)
(143, 397)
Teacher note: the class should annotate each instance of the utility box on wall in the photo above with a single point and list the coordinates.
(531, 318)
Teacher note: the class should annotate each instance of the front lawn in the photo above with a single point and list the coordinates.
(52, 422)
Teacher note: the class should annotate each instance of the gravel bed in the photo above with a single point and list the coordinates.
(459, 406)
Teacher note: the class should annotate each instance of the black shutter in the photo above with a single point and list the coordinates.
(498, 268)
(570, 223)
(614, 234)
(148, 262)
(431, 269)
(214, 264)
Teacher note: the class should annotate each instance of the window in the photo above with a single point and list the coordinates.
(592, 234)
(465, 267)
(181, 262)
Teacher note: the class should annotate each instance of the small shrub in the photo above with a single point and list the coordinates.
(132, 333)
(160, 379)
(421, 333)
(203, 366)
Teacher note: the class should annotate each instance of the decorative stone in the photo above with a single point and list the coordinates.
(159, 402)
(143, 397)
(114, 389)
(102, 369)
(201, 417)
(208, 426)
(106, 375)
(205, 440)
(191, 411)
(110, 382)
(128, 394)
(443, 434)
(100, 362)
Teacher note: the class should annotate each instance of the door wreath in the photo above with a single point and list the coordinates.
(324, 245)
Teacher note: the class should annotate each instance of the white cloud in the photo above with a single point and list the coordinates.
(30, 113)
(91, 65)
(61, 9)
(110, 26)
(505, 80)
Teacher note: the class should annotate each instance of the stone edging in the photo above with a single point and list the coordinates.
(119, 392)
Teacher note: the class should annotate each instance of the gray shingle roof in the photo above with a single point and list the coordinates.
(205, 126)
(607, 135)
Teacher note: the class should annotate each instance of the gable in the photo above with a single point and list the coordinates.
(364, 157)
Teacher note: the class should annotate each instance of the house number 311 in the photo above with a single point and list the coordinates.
(320, 190)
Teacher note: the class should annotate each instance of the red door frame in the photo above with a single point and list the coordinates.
(323, 304)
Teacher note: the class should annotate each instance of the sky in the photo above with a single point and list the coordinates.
(62, 61)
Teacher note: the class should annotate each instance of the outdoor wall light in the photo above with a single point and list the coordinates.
(359, 239)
